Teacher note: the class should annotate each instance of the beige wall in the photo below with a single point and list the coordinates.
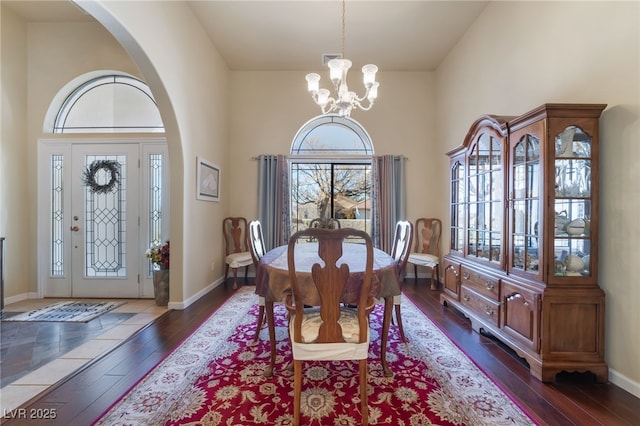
(268, 108)
(519, 55)
(13, 153)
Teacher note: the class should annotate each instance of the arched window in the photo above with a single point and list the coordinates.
(332, 135)
(95, 104)
(113, 103)
(331, 173)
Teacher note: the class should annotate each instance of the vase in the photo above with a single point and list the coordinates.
(161, 286)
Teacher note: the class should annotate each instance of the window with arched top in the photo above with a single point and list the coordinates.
(332, 135)
(330, 161)
(105, 106)
(113, 103)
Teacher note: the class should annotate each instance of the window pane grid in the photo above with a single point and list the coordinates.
(57, 216)
(105, 236)
(155, 203)
(109, 104)
(335, 190)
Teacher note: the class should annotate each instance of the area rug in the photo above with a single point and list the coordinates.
(67, 312)
(215, 377)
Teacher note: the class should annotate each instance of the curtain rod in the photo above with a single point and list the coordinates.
(254, 158)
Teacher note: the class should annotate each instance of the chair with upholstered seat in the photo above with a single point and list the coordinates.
(237, 254)
(402, 239)
(427, 249)
(320, 327)
(256, 244)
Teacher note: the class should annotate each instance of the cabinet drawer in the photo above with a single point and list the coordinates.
(486, 309)
(483, 284)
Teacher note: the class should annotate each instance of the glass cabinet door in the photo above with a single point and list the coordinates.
(572, 239)
(458, 205)
(485, 202)
(526, 181)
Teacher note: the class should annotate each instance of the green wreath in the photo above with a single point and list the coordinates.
(112, 168)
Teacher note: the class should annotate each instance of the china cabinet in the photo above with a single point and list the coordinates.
(523, 258)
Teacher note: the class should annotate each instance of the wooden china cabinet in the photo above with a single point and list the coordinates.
(523, 259)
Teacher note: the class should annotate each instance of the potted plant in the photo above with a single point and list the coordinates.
(159, 257)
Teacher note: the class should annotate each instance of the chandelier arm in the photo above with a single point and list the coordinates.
(365, 96)
(367, 108)
(329, 107)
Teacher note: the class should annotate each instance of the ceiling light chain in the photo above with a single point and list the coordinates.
(344, 31)
(344, 100)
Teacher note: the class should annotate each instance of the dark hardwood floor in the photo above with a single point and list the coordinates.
(571, 400)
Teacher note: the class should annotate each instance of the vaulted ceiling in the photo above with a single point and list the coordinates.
(414, 35)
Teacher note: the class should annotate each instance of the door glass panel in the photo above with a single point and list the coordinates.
(484, 152)
(525, 187)
(105, 236)
(57, 216)
(457, 208)
(155, 203)
(472, 248)
(485, 199)
(572, 242)
(519, 181)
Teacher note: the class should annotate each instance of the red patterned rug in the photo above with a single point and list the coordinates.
(215, 378)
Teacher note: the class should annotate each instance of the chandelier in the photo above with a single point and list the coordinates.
(343, 100)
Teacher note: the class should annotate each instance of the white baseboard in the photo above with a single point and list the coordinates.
(624, 382)
(191, 300)
(21, 297)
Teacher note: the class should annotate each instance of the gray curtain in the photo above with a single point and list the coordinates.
(388, 198)
(273, 199)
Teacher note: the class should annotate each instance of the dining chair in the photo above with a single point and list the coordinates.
(402, 239)
(326, 330)
(237, 254)
(427, 249)
(256, 244)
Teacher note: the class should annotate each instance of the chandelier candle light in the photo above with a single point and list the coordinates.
(344, 100)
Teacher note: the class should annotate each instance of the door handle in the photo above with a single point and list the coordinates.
(75, 228)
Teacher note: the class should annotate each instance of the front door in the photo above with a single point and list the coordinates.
(104, 221)
(89, 198)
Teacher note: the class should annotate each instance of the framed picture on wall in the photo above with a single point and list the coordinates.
(207, 180)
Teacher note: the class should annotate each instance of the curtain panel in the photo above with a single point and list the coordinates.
(273, 199)
(388, 198)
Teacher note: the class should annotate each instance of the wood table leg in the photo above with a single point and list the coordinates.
(388, 312)
(268, 305)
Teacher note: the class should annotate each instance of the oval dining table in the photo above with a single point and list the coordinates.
(272, 283)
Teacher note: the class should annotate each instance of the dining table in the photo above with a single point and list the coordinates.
(272, 283)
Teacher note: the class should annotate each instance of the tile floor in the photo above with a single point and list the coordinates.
(64, 347)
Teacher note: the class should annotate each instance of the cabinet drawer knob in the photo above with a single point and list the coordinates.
(490, 286)
(466, 275)
(466, 297)
(489, 311)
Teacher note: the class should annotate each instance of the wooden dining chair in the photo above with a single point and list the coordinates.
(427, 250)
(237, 254)
(402, 239)
(326, 330)
(256, 244)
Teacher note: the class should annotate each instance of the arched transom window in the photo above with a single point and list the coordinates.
(115, 103)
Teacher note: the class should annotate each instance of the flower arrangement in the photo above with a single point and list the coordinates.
(159, 255)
